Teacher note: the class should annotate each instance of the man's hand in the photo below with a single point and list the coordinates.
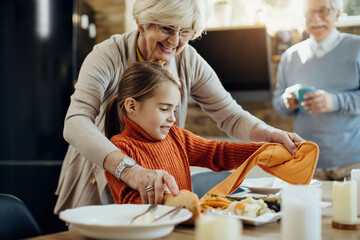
(289, 97)
(318, 101)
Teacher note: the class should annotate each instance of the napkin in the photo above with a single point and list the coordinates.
(276, 160)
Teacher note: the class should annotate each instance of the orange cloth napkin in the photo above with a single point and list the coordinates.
(274, 159)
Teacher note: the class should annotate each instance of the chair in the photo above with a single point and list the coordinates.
(16, 220)
(203, 181)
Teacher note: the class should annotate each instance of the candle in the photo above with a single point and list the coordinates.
(301, 218)
(344, 202)
(214, 227)
(355, 176)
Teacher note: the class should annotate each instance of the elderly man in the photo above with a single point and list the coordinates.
(330, 62)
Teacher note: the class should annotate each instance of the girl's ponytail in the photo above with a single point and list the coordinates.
(113, 124)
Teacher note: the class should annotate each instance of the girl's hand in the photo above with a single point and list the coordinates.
(140, 178)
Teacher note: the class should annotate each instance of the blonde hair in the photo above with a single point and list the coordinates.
(139, 81)
(170, 13)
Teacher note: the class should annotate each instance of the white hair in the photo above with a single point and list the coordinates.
(170, 13)
(336, 4)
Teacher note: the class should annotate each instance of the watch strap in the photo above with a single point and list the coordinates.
(124, 164)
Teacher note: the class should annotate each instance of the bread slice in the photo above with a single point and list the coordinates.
(189, 199)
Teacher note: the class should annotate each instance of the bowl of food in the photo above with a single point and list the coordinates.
(249, 209)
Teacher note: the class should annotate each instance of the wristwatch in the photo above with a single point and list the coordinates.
(125, 163)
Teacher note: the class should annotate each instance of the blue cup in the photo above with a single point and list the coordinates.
(300, 95)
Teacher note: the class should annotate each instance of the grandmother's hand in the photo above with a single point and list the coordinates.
(265, 133)
(318, 101)
(140, 178)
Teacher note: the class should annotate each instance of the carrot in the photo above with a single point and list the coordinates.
(223, 199)
(216, 203)
(240, 205)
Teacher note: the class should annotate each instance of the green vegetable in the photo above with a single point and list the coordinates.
(267, 199)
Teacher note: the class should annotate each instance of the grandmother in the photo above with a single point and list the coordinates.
(164, 28)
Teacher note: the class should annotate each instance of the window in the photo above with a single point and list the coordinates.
(351, 13)
(351, 7)
(275, 14)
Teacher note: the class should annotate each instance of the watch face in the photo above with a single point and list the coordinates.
(128, 161)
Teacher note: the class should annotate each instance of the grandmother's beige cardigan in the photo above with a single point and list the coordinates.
(97, 84)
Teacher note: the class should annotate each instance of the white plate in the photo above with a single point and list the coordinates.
(256, 221)
(260, 220)
(112, 221)
(270, 185)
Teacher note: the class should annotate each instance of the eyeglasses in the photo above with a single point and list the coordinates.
(184, 34)
(322, 12)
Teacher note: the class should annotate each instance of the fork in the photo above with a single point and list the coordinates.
(150, 208)
(174, 211)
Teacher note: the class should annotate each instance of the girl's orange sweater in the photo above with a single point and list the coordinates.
(175, 154)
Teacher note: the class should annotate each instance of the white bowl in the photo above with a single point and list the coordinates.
(112, 221)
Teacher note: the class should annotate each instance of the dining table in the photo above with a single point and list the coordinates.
(269, 231)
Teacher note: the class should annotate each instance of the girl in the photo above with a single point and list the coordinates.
(140, 118)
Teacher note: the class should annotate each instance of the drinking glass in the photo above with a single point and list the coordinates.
(301, 218)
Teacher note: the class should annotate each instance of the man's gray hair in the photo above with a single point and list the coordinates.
(336, 4)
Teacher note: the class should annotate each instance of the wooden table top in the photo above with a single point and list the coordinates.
(269, 231)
